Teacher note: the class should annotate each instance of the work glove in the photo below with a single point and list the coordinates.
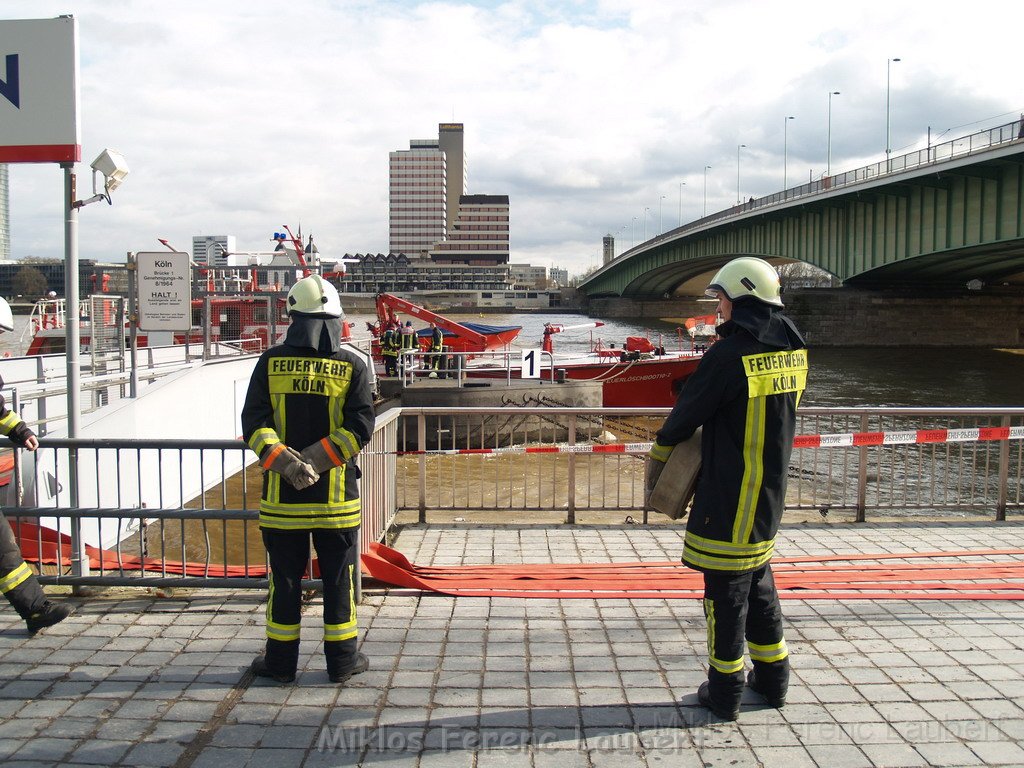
(652, 471)
(290, 465)
(322, 456)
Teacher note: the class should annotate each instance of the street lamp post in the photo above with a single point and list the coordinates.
(785, 151)
(706, 169)
(738, 147)
(632, 234)
(888, 143)
(661, 215)
(828, 161)
(646, 209)
(681, 185)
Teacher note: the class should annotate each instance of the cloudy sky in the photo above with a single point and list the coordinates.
(594, 116)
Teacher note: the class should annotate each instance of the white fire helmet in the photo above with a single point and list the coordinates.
(315, 296)
(6, 316)
(747, 276)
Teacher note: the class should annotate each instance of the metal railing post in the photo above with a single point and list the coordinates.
(570, 517)
(862, 474)
(1004, 471)
(421, 441)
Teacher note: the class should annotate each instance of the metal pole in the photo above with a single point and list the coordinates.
(738, 198)
(72, 342)
(706, 169)
(133, 324)
(828, 162)
(888, 143)
(681, 185)
(72, 334)
(785, 152)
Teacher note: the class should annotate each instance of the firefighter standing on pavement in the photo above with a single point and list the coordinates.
(307, 413)
(744, 393)
(18, 582)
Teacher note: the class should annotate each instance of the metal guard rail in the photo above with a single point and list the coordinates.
(201, 503)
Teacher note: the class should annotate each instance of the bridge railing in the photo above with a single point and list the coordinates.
(932, 155)
(184, 513)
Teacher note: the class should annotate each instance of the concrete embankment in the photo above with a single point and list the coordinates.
(845, 318)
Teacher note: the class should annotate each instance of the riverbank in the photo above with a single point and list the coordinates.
(137, 680)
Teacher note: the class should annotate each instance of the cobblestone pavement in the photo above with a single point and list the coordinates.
(489, 683)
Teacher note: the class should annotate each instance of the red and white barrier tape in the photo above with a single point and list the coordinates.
(840, 440)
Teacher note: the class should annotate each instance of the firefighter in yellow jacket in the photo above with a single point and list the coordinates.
(18, 582)
(744, 393)
(307, 413)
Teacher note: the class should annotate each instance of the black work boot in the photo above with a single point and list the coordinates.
(357, 665)
(770, 680)
(721, 694)
(51, 613)
(260, 668)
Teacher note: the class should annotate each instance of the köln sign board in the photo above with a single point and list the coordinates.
(165, 291)
(39, 91)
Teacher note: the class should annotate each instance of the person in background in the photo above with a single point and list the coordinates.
(436, 348)
(307, 414)
(389, 347)
(745, 394)
(17, 580)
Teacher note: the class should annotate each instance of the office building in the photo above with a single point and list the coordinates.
(528, 276)
(479, 235)
(417, 196)
(559, 277)
(212, 250)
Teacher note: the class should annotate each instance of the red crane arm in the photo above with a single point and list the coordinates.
(386, 302)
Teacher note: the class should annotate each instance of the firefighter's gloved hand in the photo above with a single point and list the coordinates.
(290, 465)
(322, 456)
(652, 471)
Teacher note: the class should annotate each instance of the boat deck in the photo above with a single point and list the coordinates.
(134, 679)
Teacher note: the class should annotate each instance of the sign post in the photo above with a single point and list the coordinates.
(165, 291)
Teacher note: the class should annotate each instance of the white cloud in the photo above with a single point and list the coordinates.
(237, 117)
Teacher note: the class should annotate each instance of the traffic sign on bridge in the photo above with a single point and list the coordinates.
(39, 91)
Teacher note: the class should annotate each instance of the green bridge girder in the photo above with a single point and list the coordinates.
(940, 225)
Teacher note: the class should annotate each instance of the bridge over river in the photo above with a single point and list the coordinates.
(942, 228)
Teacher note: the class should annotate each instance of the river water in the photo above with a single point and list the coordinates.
(869, 376)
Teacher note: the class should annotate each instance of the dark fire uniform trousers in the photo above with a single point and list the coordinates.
(17, 581)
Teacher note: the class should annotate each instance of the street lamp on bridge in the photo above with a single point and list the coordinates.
(661, 215)
(646, 209)
(706, 169)
(738, 147)
(681, 185)
(828, 162)
(785, 151)
(888, 142)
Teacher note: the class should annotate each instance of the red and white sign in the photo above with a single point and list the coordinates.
(39, 91)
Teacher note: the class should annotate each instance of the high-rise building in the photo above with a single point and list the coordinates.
(449, 140)
(212, 249)
(479, 235)
(608, 245)
(425, 183)
(416, 198)
(5, 232)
